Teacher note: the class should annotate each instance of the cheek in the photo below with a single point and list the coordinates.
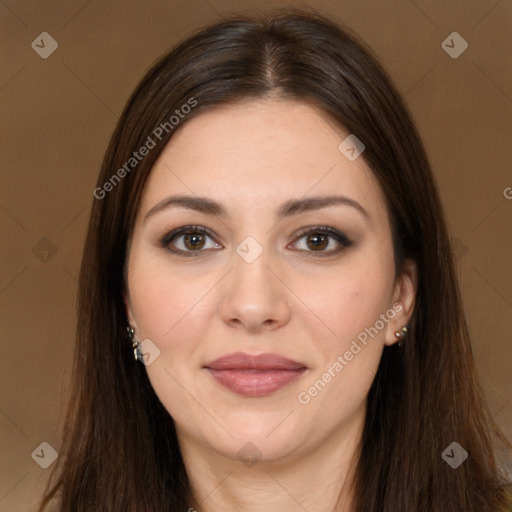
(348, 359)
(353, 305)
(350, 301)
(169, 309)
(172, 311)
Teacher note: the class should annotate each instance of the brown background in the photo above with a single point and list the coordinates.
(58, 114)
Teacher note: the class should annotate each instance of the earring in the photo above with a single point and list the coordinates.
(137, 354)
(401, 335)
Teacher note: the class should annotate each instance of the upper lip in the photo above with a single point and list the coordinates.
(241, 361)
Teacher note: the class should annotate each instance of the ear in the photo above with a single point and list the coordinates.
(129, 310)
(404, 297)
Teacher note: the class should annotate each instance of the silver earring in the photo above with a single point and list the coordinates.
(401, 335)
(137, 354)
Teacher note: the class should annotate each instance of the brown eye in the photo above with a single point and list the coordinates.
(194, 239)
(318, 240)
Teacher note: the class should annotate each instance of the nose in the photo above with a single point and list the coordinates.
(254, 296)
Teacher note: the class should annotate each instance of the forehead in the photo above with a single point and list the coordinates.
(259, 154)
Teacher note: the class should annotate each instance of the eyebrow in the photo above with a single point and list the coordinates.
(291, 207)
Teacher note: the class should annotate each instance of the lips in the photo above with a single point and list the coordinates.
(254, 376)
(241, 361)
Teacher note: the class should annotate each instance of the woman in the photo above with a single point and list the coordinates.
(269, 316)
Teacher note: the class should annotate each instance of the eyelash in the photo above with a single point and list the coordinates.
(340, 237)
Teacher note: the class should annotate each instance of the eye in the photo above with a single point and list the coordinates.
(317, 239)
(192, 243)
(194, 240)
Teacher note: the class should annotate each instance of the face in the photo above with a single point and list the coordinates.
(308, 282)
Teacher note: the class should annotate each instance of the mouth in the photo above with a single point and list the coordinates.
(254, 376)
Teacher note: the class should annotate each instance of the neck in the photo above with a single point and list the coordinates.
(320, 479)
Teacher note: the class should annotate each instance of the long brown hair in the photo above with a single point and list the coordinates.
(120, 450)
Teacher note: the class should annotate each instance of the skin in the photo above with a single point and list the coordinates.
(252, 156)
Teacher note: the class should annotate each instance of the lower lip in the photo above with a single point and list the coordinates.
(255, 382)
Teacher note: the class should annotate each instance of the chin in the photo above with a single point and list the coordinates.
(250, 450)
(267, 439)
